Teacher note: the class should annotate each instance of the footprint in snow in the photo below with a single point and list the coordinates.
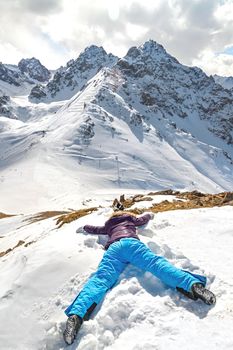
(160, 226)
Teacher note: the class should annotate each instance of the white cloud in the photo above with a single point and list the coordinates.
(211, 63)
(113, 10)
(57, 30)
(135, 32)
(10, 53)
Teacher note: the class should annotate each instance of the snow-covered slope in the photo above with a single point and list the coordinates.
(142, 148)
(96, 142)
(40, 278)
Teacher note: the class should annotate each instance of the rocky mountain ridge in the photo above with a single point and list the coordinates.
(163, 86)
(154, 80)
(70, 79)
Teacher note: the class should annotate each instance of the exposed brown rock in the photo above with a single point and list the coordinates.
(67, 218)
(164, 193)
(128, 202)
(191, 200)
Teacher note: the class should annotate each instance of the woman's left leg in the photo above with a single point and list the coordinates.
(141, 256)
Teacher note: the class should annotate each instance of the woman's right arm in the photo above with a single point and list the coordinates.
(96, 230)
(142, 220)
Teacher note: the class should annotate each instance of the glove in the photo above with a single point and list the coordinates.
(152, 215)
(80, 229)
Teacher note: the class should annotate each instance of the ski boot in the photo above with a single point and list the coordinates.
(73, 325)
(198, 291)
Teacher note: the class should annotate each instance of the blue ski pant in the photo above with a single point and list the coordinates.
(114, 261)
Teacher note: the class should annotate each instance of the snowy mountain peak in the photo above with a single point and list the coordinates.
(152, 46)
(34, 69)
(147, 59)
(70, 79)
(93, 51)
(150, 50)
(93, 55)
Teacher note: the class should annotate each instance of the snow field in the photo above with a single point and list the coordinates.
(41, 280)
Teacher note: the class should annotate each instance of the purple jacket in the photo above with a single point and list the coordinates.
(118, 227)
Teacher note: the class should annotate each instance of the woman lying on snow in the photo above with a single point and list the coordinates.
(124, 247)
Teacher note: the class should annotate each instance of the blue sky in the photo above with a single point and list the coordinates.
(229, 50)
(196, 32)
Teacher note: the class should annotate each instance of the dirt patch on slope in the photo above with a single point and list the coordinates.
(3, 215)
(44, 215)
(16, 246)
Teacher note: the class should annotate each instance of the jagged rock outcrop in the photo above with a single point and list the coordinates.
(6, 109)
(85, 131)
(38, 91)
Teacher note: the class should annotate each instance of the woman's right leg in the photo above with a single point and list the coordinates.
(96, 287)
(141, 256)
